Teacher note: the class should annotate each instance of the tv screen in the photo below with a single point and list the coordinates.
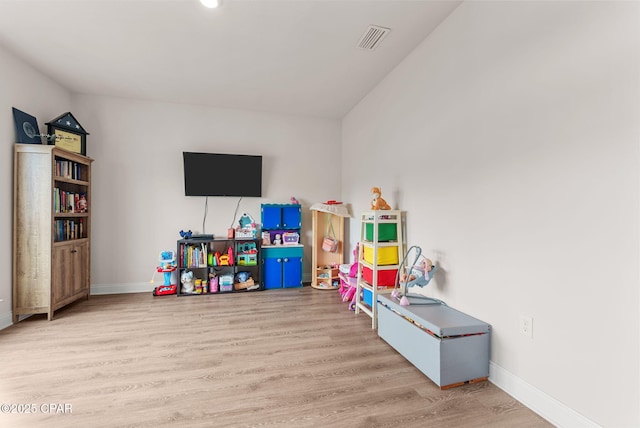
(218, 174)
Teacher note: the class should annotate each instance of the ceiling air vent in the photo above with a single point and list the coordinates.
(372, 38)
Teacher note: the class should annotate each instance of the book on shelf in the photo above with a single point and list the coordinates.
(69, 202)
(193, 255)
(68, 169)
(65, 230)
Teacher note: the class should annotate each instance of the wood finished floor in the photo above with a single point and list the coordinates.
(278, 358)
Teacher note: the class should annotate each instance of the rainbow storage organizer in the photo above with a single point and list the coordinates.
(381, 248)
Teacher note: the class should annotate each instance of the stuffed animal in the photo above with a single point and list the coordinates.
(188, 287)
(377, 203)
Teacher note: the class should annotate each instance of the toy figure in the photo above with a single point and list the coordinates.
(377, 203)
(186, 279)
(277, 240)
(81, 205)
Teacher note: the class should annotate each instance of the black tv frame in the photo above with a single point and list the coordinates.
(222, 174)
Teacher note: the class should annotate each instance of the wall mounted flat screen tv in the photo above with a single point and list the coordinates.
(219, 174)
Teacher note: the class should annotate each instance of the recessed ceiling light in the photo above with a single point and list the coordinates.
(210, 3)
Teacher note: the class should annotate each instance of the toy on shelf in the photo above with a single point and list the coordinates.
(166, 265)
(186, 235)
(81, 204)
(377, 203)
(244, 281)
(187, 280)
(266, 239)
(213, 283)
(290, 238)
(224, 259)
(294, 200)
(225, 282)
(247, 227)
(247, 254)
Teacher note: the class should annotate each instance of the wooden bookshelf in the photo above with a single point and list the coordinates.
(51, 229)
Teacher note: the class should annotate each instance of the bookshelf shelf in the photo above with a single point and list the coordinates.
(51, 229)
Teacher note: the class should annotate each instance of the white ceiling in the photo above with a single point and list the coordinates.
(283, 56)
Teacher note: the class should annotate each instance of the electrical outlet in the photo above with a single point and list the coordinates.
(526, 326)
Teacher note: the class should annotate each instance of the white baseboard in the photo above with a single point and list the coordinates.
(136, 287)
(544, 405)
(6, 320)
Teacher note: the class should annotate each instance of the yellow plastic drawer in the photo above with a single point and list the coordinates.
(386, 255)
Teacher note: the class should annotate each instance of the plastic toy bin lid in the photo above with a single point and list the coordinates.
(442, 320)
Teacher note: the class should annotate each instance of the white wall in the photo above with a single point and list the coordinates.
(138, 204)
(28, 90)
(510, 136)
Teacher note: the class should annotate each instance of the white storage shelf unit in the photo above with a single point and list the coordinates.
(380, 251)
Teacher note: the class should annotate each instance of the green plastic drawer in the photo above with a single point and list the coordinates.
(386, 232)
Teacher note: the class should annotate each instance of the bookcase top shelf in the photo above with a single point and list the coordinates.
(49, 150)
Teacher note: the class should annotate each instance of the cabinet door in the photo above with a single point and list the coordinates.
(271, 217)
(80, 267)
(281, 216)
(291, 217)
(70, 271)
(292, 272)
(61, 267)
(272, 272)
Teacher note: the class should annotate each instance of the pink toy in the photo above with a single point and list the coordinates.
(349, 294)
(348, 288)
(230, 254)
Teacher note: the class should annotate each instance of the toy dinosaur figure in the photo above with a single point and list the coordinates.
(377, 203)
